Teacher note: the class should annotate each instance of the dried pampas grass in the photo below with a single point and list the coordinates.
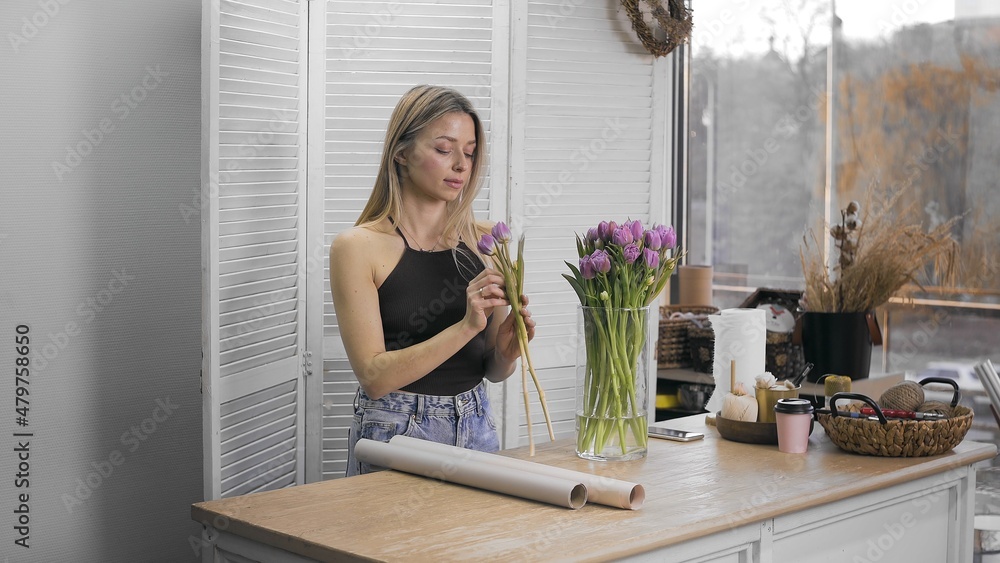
(878, 254)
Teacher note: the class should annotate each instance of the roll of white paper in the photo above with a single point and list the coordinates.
(473, 473)
(991, 384)
(740, 335)
(601, 490)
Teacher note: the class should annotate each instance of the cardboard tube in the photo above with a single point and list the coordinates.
(601, 490)
(473, 473)
(695, 285)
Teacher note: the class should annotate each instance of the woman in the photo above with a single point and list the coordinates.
(422, 318)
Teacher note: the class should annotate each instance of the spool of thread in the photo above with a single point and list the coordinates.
(695, 285)
(905, 396)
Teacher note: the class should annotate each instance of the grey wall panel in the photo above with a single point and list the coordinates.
(100, 257)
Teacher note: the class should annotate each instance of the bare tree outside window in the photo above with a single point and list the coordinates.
(799, 106)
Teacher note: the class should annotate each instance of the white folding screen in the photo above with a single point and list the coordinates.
(376, 51)
(577, 118)
(254, 251)
(588, 143)
(576, 114)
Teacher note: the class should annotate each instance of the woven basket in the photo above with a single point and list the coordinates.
(701, 342)
(672, 345)
(782, 357)
(896, 438)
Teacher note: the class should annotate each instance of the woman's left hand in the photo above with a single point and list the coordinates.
(507, 345)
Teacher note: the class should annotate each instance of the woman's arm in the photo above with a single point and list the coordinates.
(355, 298)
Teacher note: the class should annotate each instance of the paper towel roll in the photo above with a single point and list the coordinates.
(695, 285)
(741, 335)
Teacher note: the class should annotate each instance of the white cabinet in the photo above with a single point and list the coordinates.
(924, 520)
(928, 519)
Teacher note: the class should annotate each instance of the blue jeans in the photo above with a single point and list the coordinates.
(464, 420)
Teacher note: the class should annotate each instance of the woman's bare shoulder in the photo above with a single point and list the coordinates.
(360, 238)
(368, 250)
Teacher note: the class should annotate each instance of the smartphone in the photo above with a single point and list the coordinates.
(671, 434)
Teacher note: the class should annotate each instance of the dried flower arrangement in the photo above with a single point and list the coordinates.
(876, 258)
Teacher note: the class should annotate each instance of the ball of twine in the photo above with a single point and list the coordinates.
(936, 407)
(905, 396)
(673, 20)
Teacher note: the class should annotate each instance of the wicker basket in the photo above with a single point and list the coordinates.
(701, 342)
(896, 438)
(672, 345)
(782, 357)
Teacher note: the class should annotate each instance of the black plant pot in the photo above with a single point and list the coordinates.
(839, 343)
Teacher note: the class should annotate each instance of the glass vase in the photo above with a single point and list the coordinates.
(612, 391)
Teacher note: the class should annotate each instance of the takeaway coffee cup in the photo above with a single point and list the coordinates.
(794, 419)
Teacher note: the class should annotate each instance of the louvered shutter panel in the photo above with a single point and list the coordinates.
(376, 51)
(253, 244)
(588, 147)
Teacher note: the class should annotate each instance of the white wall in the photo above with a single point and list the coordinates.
(99, 157)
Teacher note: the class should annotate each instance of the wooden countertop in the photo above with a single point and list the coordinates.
(693, 489)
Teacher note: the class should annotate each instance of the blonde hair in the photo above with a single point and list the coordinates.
(414, 112)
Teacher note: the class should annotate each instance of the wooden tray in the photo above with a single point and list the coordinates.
(747, 432)
(750, 432)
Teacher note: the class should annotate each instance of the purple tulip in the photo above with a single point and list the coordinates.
(668, 238)
(587, 268)
(651, 258)
(602, 230)
(631, 253)
(592, 235)
(601, 261)
(651, 240)
(612, 227)
(636, 228)
(486, 244)
(622, 236)
(501, 232)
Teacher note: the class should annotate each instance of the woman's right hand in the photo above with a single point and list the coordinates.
(485, 292)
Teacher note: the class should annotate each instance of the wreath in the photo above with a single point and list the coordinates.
(673, 22)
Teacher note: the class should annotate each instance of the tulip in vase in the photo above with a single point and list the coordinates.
(620, 272)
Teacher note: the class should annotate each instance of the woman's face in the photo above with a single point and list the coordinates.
(439, 163)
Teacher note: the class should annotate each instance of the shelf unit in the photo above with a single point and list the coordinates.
(668, 381)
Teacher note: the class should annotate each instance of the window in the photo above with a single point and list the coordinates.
(796, 106)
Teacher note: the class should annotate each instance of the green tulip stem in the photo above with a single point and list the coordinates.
(514, 283)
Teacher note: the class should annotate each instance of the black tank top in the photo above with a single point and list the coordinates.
(423, 295)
